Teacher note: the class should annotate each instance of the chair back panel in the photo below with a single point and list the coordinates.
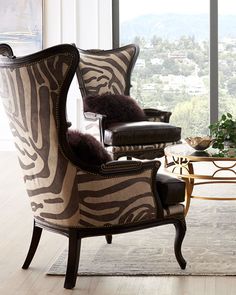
(32, 92)
(106, 71)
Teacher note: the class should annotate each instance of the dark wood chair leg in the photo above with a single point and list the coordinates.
(180, 227)
(37, 231)
(109, 239)
(73, 259)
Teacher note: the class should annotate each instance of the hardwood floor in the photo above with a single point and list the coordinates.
(15, 234)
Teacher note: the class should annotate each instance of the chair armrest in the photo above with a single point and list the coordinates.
(114, 167)
(93, 116)
(122, 193)
(157, 115)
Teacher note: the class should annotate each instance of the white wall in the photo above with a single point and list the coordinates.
(59, 26)
(88, 24)
(94, 24)
(6, 142)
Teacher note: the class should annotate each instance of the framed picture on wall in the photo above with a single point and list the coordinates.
(21, 28)
(21, 25)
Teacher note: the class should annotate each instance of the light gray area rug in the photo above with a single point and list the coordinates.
(209, 247)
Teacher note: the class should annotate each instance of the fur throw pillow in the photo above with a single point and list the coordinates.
(87, 148)
(117, 108)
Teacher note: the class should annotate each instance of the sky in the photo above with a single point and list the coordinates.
(132, 8)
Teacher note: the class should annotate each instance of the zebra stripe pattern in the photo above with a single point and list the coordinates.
(60, 193)
(106, 71)
(129, 148)
(112, 201)
(31, 94)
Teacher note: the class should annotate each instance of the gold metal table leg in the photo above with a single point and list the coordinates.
(189, 184)
(188, 193)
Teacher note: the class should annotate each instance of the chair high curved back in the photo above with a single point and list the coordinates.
(106, 71)
(34, 96)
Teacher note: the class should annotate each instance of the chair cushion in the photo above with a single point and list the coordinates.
(87, 149)
(170, 190)
(117, 108)
(144, 132)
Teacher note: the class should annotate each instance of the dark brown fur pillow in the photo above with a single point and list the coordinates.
(117, 108)
(87, 149)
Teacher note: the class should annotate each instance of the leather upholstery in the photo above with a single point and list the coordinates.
(144, 132)
(170, 190)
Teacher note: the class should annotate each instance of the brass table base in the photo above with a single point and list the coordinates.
(179, 162)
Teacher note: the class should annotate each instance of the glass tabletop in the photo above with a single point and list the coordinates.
(210, 154)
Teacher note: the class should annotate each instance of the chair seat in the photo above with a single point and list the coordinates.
(143, 132)
(170, 190)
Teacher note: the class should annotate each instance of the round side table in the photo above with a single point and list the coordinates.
(180, 160)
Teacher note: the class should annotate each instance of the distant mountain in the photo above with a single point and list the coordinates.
(173, 26)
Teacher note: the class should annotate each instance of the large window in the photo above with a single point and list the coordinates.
(227, 56)
(177, 69)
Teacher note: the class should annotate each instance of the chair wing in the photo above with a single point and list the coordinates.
(34, 96)
(106, 71)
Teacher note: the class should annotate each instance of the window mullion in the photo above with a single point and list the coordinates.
(214, 61)
(115, 24)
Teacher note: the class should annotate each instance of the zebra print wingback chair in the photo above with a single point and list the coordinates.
(105, 72)
(66, 195)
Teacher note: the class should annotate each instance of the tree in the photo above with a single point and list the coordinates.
(170, 67)
(192, 116)
(156, 41)
(140, 41)
(227, 105)
(231, 86)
